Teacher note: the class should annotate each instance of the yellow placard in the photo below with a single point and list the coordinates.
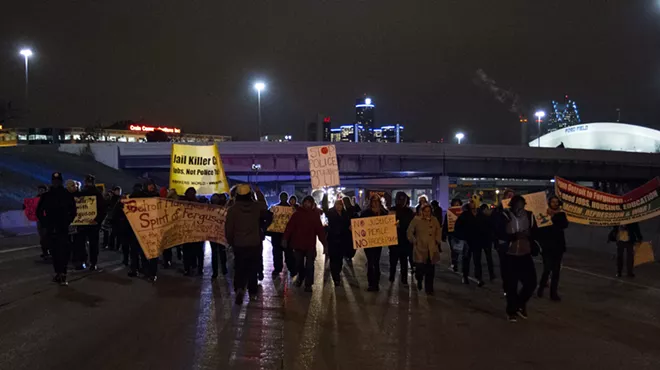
(281, 217)
(644, 253)
(197, 166)
(161, 223)
(369, 232)
(85, 211)
(538, 205)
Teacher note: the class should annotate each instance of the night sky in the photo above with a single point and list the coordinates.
(192, 63)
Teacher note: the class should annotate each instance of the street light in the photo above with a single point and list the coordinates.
(27, 53)
(259, 86)
(539, 115)
(459, 137)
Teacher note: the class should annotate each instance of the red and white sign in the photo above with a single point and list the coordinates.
(323, 167)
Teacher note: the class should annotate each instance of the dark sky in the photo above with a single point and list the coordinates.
(192, 63)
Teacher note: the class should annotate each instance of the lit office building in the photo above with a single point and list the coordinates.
(385, 134)
(365, 116)
(562, 115)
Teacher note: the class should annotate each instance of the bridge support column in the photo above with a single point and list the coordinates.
(440, 189)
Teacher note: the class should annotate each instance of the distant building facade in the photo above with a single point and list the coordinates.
(562, 115)
(365, 117)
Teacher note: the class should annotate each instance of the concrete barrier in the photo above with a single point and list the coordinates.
(13, 223)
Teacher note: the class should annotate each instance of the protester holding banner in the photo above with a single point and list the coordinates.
(424, 233)
(475, 229)
(448, 232)
(339, 235)
(520, 229)
(89, 233)
(300, 235)
(501, 239)
(243, 233)
(553, 246)
(399, 253)
(217, 249)
(625, 236)
(192, 250)
(55, 212)
(373, 254)
(281, 212)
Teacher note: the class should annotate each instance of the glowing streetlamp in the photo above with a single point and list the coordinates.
(459, 137)
(539, 116)
(259, 86)
(26, 53)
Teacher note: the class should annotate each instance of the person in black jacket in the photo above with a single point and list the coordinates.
(399, 253)
(217, 249)
(625, 237)
(55, 211)
(473, 227)
(450, 238)
(373, 254)
(89, 233)
(553, 246)
(339, 235)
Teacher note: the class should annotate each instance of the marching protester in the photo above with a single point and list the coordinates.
(43, 238)
(89, 233)
(139, 262)
(115, 198)
(354, 212)
(192, 250)
(300, 235)
(167, 253)
(55, 211)
(242, 229)
(421, 202)
(474, 228)
(625, 237)
(339, 235)
(520, 228)
(488, 247)
(553, 246)
(127, 237)
(424, 233)
(373, 254)
(501, 239)
(399, 253)
(437, 210)
(293, 202)
(217, 249)
(449, 238)
(278, 250)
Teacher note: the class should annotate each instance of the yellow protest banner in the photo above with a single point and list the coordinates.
(197, 166)
(161, 223)
(85, 211)
(281, 217)
(644, 253)
(379, 231)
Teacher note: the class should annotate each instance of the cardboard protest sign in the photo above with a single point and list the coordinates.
(644, 253)
(197, 166)
(538, 205)
(31, 208)
(369, 232)
(452, 216)
(85, 211)
(592, 207)
(323, 167)
(281, 217)
(161, 223)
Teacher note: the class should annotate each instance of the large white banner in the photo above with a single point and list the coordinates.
(323, 167)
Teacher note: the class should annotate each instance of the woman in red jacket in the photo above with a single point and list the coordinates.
(300, 234)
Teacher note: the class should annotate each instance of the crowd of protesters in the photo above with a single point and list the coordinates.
(512, 232)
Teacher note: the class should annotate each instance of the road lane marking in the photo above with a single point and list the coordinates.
(18, 249)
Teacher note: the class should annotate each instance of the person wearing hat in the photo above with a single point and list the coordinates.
(89, 233)
(55, 211)
(243, 232)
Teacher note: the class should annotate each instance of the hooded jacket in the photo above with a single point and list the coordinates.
(303, 228)
(244, 218)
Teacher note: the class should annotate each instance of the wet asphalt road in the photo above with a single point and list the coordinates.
(106, 320)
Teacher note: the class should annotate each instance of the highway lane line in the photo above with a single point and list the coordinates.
(619, 280)
(18, 249)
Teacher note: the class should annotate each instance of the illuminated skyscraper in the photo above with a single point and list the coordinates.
(364, 116)
(562, 115)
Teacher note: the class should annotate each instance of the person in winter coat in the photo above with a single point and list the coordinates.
(421, 202)
(282, 255)
(450, 238)
(424, 233)
(55, 211)
(473, 227)
(300, 235)
(521, 229)
(625, 237)
(217, 249)
(373, 254)
(243, 232)
(399, 253)
(553, 246)
(437, 210)
(339, 235)
(89, 233)
(191, 251)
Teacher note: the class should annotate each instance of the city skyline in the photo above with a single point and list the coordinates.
(420, 73)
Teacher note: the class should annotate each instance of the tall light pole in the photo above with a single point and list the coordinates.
(26, 53)
(259, 86)
(459, 137)
(539, 115)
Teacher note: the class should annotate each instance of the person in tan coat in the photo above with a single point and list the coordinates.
(425, 234)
